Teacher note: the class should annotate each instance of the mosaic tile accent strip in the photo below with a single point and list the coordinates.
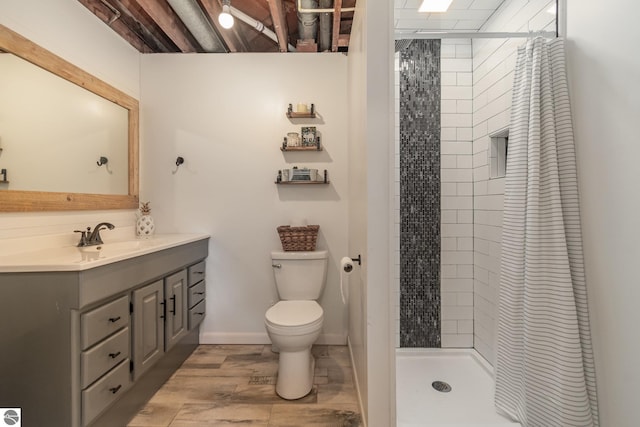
(420, 194)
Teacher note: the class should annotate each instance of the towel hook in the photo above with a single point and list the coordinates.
(103, 161)
(179, 161)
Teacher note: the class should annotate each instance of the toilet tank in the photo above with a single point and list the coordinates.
(300, 275)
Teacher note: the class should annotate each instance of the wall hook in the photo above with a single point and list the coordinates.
(358, 260)
(179, 161)
(103, 161)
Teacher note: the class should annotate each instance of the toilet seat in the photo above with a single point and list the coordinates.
(294, 317)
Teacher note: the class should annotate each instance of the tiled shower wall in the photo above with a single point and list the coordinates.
(456, 228)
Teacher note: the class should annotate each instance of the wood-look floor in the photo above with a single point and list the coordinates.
(234, 385)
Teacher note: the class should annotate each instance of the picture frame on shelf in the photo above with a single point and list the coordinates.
(308, 134)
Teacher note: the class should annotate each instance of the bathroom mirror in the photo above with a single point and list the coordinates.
(68, 141)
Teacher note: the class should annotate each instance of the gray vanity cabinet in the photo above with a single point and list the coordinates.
(96, 343)
(148, 326)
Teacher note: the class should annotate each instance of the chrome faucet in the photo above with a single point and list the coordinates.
(92, 238)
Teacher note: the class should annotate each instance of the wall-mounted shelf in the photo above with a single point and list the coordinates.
(301, 182)
(295, 115)
(310, 148)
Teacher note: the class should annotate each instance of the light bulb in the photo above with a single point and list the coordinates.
(225, 18)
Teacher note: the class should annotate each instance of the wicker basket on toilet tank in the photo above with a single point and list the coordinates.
(298, 239)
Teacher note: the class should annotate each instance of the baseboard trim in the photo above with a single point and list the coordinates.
(363, 415)
(261, 338)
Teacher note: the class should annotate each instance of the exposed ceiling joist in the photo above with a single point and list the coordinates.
(337, 12)
(170, 23)
(280, 24)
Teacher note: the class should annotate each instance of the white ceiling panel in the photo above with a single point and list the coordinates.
(463, 15)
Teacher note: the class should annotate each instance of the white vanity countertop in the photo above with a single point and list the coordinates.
(72, 258)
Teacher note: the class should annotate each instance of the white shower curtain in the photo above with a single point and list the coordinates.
(545, 374)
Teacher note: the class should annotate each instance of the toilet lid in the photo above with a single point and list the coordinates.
(294, 313)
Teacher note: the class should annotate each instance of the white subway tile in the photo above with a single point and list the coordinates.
(450, 326)
(449, 216)
(464, 106)
(449, 272)
(456, 341)
(457, 313)
(456, 202)
(464, 189)
(448, 134)
(465, 271)
(448, 299)
(456, 175)
(447, 51)
(449, 244)
(449, 106)
(448, 189)
(455, 147)
(464, 244)
(456, 92)
(464, 162)
(448, 79)
(455, 64)
(465, 326)
(463, 51)
(457, 230)
(465, 216)
(464, 79)
(465, 299)
(448, 161)
(452, 284)
(456, 257)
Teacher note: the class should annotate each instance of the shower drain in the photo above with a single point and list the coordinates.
(441, 386)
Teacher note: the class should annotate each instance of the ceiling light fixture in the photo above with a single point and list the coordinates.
(225, 18)
(434, 5)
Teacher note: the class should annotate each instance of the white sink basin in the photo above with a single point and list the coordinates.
(72, 258)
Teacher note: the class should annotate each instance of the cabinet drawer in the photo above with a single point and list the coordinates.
(196, 314)
(103, 321)
(196, 293)
(104, 356)
(196, 273)
(105, 391)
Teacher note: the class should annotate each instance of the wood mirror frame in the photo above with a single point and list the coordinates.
(30, 201)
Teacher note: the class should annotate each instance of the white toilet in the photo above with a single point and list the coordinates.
(294, 323)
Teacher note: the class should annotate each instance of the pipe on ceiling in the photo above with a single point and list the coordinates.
(326, 24)
(194, 19)
(304, 10)
(259, 26)
(307, 22)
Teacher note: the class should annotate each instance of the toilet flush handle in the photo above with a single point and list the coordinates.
(276, 265)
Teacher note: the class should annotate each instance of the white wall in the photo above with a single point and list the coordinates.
(371, 208)
(69, 30)
(605, 90)
(493, 64)
(225, 114)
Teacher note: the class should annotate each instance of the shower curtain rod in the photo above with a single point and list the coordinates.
(474, 35)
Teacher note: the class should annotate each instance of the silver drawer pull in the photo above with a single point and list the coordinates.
(114, 390)
(199, 313)
(114, 355)
(198, 272)
(114, 319)
(276, 265)
(199, 293)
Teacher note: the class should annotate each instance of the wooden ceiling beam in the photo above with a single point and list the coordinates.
(170, 23)
(232, 37)
(141, 22)
(114, 21)
(279, 20)
(337, 12)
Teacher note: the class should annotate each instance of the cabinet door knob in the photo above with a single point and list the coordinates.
(276, 265)
(114, 319)
(114, 355)
(114, 390)
(199, 293)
